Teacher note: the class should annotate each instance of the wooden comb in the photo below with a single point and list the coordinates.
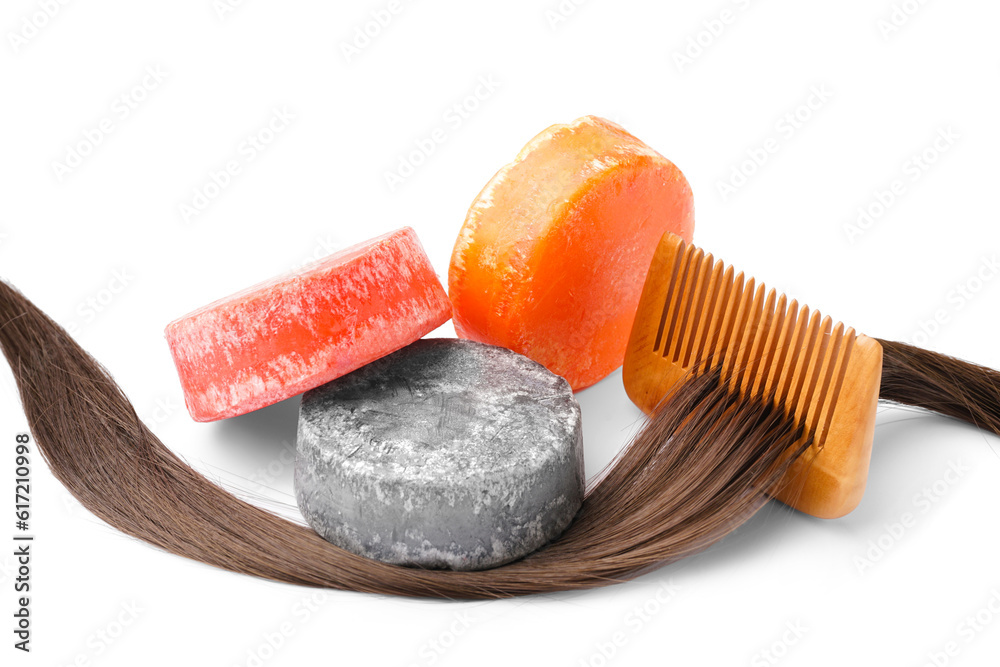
(695, 315)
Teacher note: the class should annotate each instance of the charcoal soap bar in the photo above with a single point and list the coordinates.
(445, 454)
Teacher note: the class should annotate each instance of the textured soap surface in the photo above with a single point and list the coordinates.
(445, 454)
(554, 251)
(295, 332)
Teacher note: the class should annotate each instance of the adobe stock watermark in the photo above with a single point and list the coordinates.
(914, 168)
(270, 643)
(121, 108)
(453, 118)
(923, 501)
(105, 637)
(218, 180)
(161, 411)
(325, 245)
(366, 32)
(268, 474)
(633, 623)
(779, 649)
(95, 304)
(956, 299)
(563, 11)
(899, 15)
(706, 36)
(966, 632)
(785, 128)
(31, 25)
(223, 8)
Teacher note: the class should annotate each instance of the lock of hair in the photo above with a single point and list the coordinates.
(696, 314)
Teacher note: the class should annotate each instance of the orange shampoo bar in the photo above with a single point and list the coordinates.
(295, 332)
(554, 251)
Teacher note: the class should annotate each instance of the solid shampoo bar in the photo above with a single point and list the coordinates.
(295, 332)
(554, 251)
(445, 454)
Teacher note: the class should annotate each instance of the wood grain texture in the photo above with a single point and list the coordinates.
(696, 313)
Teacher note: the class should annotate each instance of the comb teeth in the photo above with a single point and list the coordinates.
(698, 314)
(766, 346)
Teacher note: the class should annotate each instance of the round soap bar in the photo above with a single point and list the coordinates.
(297, 331)
(554, 251)
(445, 454)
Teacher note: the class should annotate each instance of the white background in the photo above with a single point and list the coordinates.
(888, 90)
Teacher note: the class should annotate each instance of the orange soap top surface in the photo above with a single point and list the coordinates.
(554, 251)
(297, 331)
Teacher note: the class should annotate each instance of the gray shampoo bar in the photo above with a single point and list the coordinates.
(445, 454)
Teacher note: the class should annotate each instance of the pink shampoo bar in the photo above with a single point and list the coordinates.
(297, 331)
